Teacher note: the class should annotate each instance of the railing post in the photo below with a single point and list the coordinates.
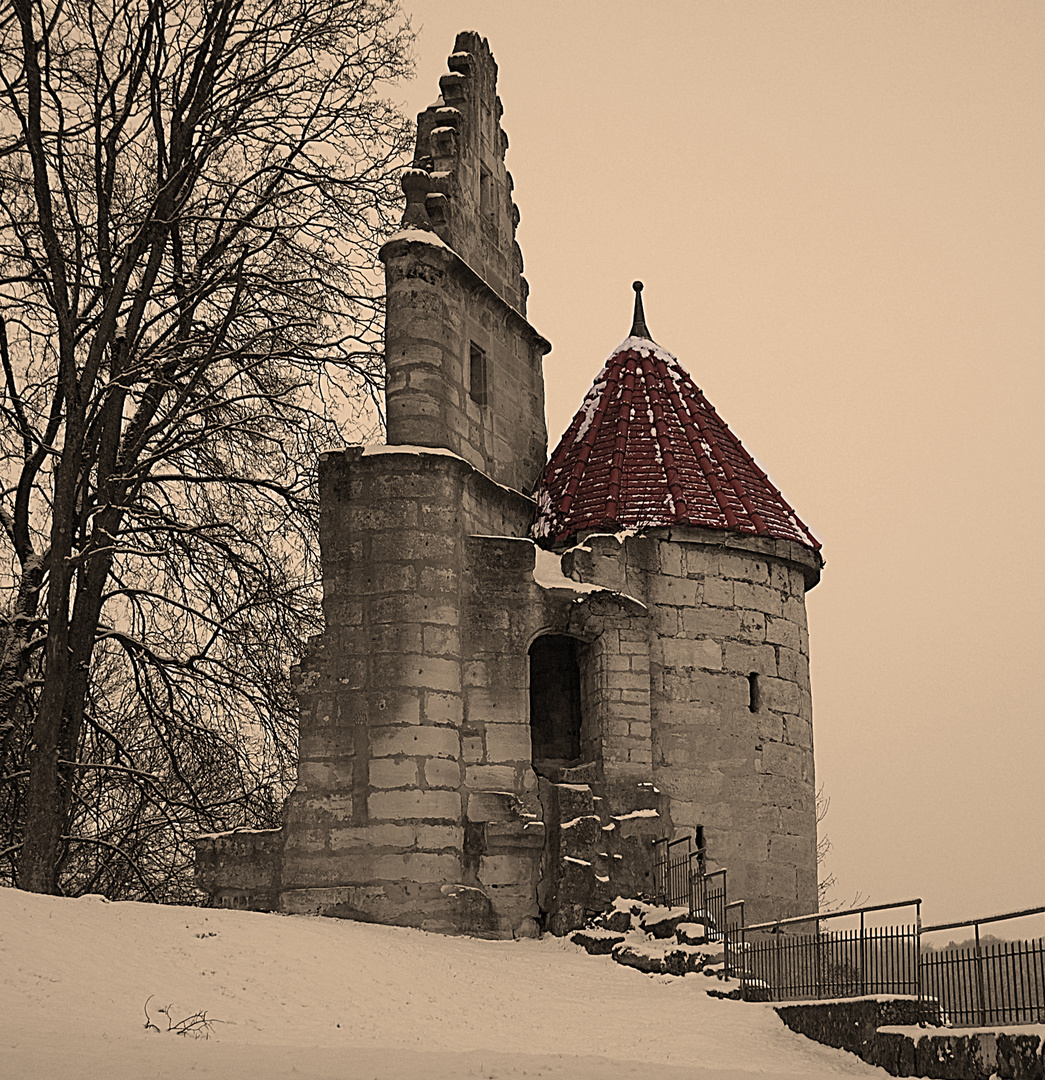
(657, 869)
(979, 978)
(918, 962)
(863, 958)
(743, 947)
(816, 959)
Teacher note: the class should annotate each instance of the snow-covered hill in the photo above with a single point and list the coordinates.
(320, 999)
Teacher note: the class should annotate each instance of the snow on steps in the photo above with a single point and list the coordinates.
(657, 941)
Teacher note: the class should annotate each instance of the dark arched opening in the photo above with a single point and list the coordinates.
(555, 702)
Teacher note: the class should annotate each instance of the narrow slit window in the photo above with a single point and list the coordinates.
(754, 692)
(486, 194)
(477, 375)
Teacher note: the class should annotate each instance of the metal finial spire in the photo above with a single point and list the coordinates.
(638, 325)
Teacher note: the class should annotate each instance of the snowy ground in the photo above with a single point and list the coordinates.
(322, 999)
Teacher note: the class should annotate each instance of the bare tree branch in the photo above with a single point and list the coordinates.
(192, 193)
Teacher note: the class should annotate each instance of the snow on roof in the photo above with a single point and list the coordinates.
(547, 572)
(417, 236)
(373, 449)
(647, 449)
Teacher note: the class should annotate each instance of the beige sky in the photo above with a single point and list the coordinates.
(838, 210)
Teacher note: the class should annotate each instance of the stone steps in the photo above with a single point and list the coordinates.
(600, 847)
(658, 941)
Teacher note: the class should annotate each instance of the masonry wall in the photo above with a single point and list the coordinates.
(375, 827)
(461, 292)
(416, 800)
(461, 143)
(723, 608)
(437, 310)
(599, 819)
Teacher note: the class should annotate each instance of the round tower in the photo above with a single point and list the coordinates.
(651, 494)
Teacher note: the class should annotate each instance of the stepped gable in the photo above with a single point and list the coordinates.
(647, 449)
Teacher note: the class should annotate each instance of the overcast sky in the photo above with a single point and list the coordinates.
(838, 210)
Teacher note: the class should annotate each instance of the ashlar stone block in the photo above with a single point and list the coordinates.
(711, 621)
(504, 869)
(413, 804)
(442, 773)
(400, 836)
(471, 749)
(437, 837)
(748, 658)
(782, 632)
(490, 777)
(757, 597)
(393, 772)
(432, 672)
(789, 664)
(419, 741)
(417, 866)
(442, 641)
(742, 568)
(698, 560)
(325, 775)
(442, 708)
(684, 653)
(403, 707)
(752, 626)
(782, 695)
(671, 559)
(676, 592)
(718, 592)
(508, 742)
(494, 806)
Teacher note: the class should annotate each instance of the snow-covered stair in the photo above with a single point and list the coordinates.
(658, 941)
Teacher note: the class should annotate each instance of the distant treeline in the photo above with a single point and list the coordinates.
(970, 943)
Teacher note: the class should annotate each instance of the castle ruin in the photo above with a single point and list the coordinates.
(532, 669)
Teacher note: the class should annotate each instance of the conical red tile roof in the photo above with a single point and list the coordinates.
(648, 449)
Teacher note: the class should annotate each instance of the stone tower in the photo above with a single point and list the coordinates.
(650, 494)
(493, 730)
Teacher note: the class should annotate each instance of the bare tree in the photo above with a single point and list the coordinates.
(826, 883)
(191, 196)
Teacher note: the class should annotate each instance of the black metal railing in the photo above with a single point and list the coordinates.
(734, 949)
(986, 984)
(680, 879)
(672, 871)
(707, 897)
(1001, 982)
(788, 966)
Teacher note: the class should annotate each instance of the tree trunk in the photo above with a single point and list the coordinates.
(37, 868)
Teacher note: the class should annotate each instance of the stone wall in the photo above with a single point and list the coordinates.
(375, 827)
(240, 869)
(885, 1032)
(457, 300)
(437, 311)
(416, 800)
(461, 144)
(732, 740)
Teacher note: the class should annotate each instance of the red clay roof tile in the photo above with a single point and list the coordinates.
(647, 449)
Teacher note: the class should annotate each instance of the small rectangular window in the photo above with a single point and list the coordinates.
(477, 375)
